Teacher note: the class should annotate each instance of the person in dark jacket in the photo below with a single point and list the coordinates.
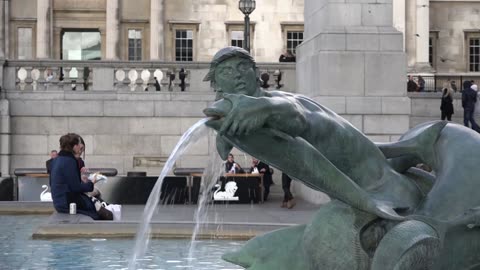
(446, 107)
(288, 200)
(231, 166)
(67, 186)
(53, 155)
(411, 84)
(469, 97)
(267, 175)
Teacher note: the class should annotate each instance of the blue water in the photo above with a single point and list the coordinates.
(19, 251)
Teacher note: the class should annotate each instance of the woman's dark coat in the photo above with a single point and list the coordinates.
(447, 105)
(67, 187)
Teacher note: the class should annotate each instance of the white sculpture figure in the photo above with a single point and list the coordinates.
(228, 194)
(45, 196)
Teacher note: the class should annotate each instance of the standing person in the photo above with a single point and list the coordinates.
(267, 175)
(411, 84)
(231, 166)
(469, 98)
(288, 200)
(182, 75)
(421, 84)
(53, 155)
(477, 104)
(157, 84)
(67, 186)
(446, 107)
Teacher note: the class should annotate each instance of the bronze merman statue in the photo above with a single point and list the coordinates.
(384, 214)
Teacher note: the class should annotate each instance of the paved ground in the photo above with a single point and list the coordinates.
(234, 221)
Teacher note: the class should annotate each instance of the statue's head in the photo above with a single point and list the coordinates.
(233, 71)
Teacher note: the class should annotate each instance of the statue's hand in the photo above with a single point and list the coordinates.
(247, 114)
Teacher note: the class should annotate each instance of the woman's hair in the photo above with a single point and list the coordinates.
(84, 146)
(447, 90)
(68, 141)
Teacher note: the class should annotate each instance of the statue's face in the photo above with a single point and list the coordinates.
(235, 76)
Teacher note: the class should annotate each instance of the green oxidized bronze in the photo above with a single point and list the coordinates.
(384, 213)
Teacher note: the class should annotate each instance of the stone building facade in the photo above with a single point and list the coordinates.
(144, 30)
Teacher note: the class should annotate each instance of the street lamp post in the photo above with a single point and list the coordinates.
(246, 7)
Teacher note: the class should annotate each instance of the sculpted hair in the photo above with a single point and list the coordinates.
(68, 141)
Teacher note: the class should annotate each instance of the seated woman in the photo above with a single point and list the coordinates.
(67, 186)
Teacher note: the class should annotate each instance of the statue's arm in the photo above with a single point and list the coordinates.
(286, 114)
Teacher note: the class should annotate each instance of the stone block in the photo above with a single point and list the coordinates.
(391, 42)
(4, 107)
(330, 42)
(43, 95)
(190, 161)
(77, 108)
(148, 145)
(376, 14)
(334, 103)
(39, 125)
(385, 74)
(355, 120)
(5, 146)
(426, 107)
(362, 42)
(109, 145)
(147, 96)
(105, 161)
(332, 68)
(98, 125)
(5, 125)
(27, 161)
(308, 194)
(183, 96)
(180, 108)
(342, 14)
(198, 148)
(197, 76)
(30, 108)
(151, 126)
(364, 105)
(188, 122)
(91, 95)
(386, 124)
(29, 144)
(396, 105)
(379, 138)
(128, 108)
(102, 79)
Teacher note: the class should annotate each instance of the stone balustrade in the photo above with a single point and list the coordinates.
(124, 76)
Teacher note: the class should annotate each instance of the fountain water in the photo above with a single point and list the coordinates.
(210, 175)
(198, 130)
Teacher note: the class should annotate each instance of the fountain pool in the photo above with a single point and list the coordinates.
(19, 251)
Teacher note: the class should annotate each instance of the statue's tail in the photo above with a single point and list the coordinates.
(418, 142)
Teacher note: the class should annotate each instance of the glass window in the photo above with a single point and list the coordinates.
(134, 45)
(237, 38)
(24, 49)
(474, 52)
(294, 38)
(183, 45)
(78, 45)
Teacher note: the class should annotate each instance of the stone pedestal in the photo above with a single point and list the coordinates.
(352, 61)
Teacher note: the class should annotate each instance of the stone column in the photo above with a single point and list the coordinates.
(352, 61)
(43, 26)
(113, 30)
(422, 36)
(399, 17)
(2, 29)
(157, 46)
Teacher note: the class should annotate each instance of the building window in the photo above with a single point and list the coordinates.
(474, 54)
(134, 45)
(25, 46)
(294, 38)
(81, 45)
(183, 45)
(236, 38)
